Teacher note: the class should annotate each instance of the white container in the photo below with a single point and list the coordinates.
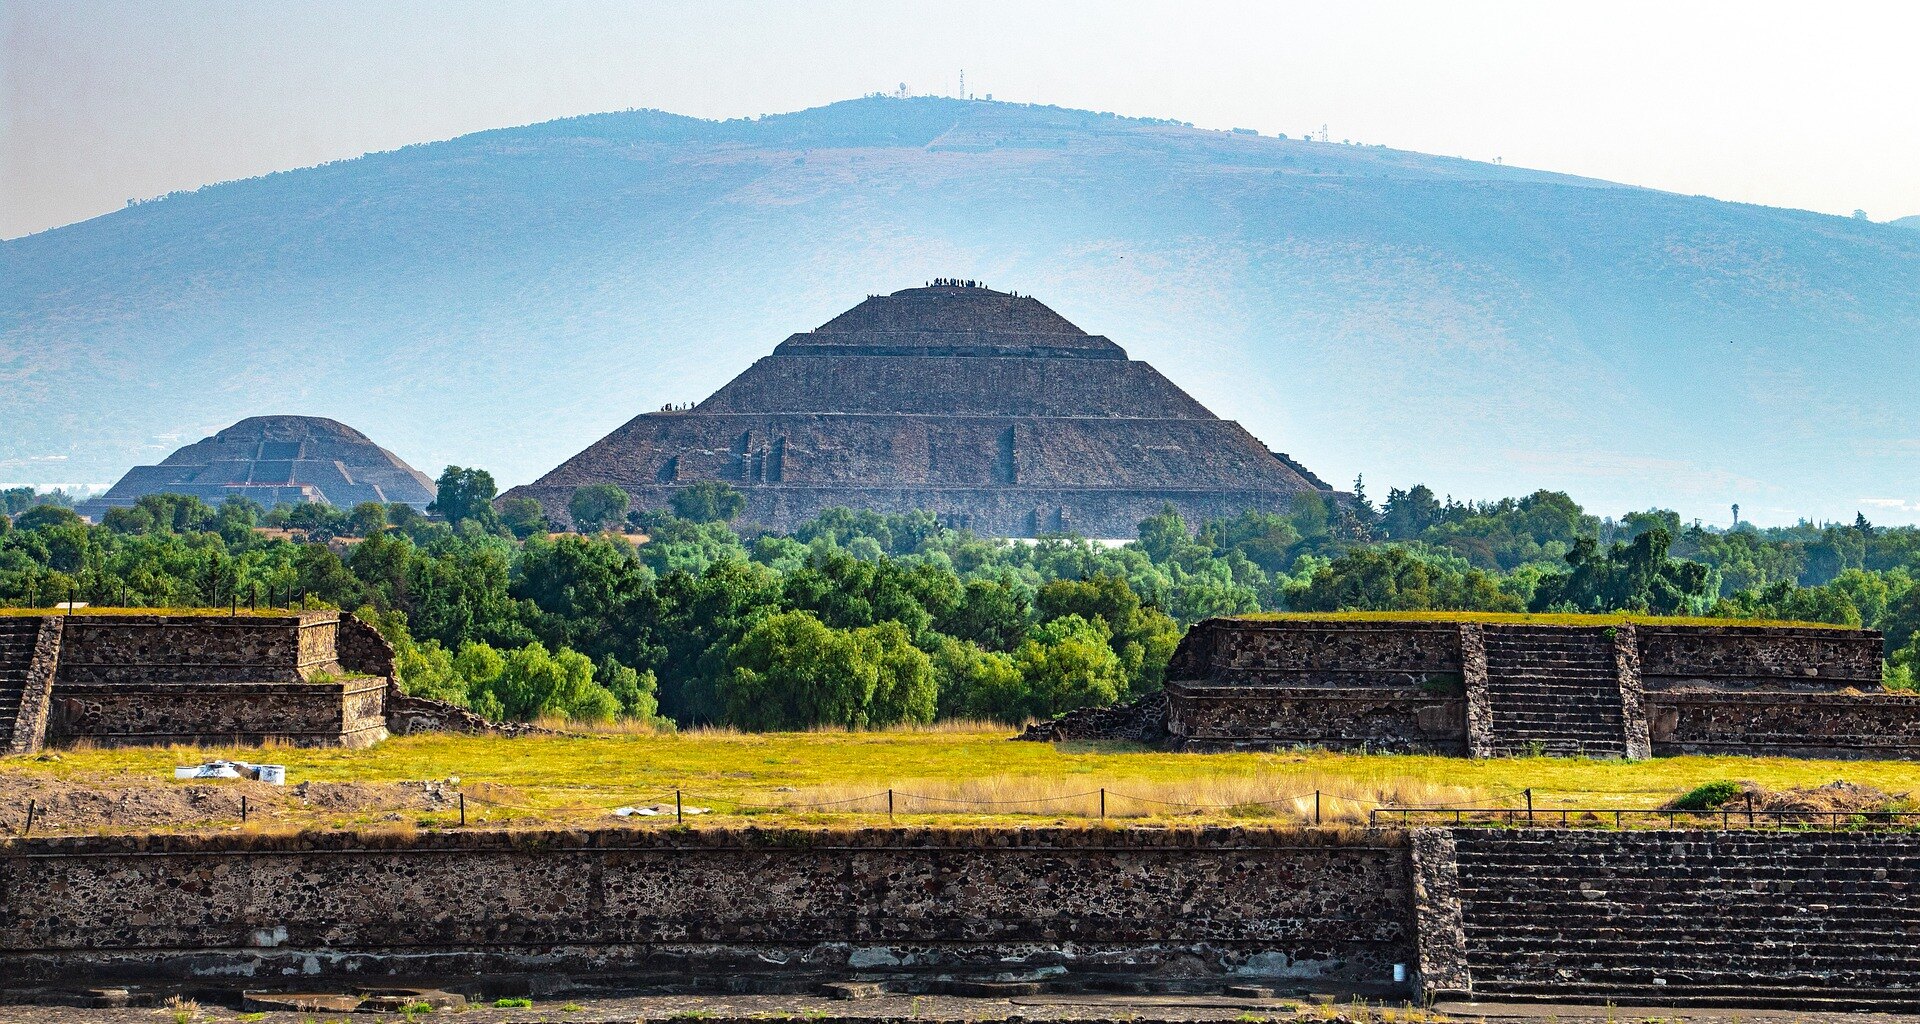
(271, 774)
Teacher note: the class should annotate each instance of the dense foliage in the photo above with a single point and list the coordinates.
(858, 619)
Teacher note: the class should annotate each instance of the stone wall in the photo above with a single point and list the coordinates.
(687, 908)
(158, 679)
(1841, 725)
(1747, 657)
(1422, 686)
(1327, 652)
(111, 649)
(36, 690)
(346, 712)
(361, 649)
(1405, 721)
(1760, 917)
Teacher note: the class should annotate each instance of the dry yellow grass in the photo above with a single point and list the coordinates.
(940, 776)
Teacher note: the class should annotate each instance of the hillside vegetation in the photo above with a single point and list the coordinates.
(510, 296)
(862, 620)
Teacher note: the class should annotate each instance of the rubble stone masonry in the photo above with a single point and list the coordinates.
(1583, 914)
(681, 905)
(157, 679)
(1422, 686)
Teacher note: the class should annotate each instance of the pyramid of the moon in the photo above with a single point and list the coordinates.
(984, 407)
(277, 460)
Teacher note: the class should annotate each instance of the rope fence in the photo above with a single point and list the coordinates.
(1096, 803)
(891, 802)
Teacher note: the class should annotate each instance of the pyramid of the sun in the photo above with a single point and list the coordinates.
(276, 460)
(985, 407)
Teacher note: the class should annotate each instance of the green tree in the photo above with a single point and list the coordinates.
(904, 690)
(637, 692)
(367, 519)
(1164, 534)
(978, 684)
(791, 671)
(533, 684)
(40, 517)
(597, 507)
(1635, 576)
(709, 501)
(523, 517)
(1409, 513)
(466, 495)
(1142, 638)
(1067, 663)
(990, 613)
(1311, 516)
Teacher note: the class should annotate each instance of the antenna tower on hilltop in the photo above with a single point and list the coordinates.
(963, 83)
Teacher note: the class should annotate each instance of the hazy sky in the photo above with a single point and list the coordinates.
(1807, 105)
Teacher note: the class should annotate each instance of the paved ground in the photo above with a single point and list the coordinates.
(879, 1009)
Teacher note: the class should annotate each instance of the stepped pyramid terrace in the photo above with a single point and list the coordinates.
(1484, 684)
(982, 406)
(276, 460)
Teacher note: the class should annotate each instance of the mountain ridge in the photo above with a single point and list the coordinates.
(505, 297)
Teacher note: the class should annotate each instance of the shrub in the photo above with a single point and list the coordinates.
(1708, 796)
(598, 507)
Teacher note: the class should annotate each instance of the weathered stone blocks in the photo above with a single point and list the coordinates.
(160, 679)
(1252, 903)
(1486, 689)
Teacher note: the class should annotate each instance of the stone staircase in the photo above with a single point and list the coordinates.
(22, 714)
(1756, 919)
(1554, 691)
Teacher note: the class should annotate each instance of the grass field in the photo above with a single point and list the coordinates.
(939, 776)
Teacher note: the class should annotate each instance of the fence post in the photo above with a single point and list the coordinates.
(889, 806)
(27, 831)
(679, 816)
(1103, 803)
(1316, 808)
(1749, 810)
(1529, 806)
(243, 808)
(253, 597)
(463, 810)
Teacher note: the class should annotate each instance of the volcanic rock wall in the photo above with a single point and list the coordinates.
(1741, 916)
(713, 907)
(158, 679)
(1422, 686)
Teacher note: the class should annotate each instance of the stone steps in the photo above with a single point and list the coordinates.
(1554, 691)
(18, 637)
(1714, 918)
(1808, 995)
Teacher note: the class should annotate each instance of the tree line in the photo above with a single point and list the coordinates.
(685, 615)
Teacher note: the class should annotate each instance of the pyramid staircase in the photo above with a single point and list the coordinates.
(26, 679)
(1692, 918)
(1554, 691)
